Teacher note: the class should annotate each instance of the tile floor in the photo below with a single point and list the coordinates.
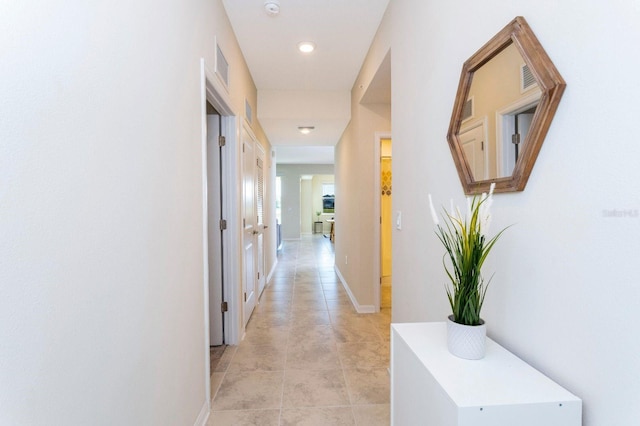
(307, 358)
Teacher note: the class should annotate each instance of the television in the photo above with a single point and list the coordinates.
(328, 205)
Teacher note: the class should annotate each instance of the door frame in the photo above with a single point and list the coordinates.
(214, 248)
(248, 281)
(260, 154)
(377, 261)
(504, 128)
(212, 90)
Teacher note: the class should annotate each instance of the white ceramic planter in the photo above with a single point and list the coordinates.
(466, 341)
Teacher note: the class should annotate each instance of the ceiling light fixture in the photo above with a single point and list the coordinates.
(306, 46)
(305, 130)
(272, 7)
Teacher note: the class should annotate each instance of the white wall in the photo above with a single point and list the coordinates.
(356, 192)
(282, 111)
(565, 295)
(271, 256)
(306, 205)
(101, 258)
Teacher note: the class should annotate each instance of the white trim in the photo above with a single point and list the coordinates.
(503, 131)
(231, 184)
(361, 309)
(272, 271)
(205, 225)
(231, 237)
(203, 417)
(377, 272)
(212, 91)
(261, 257)
(242, 236)
(366, 309)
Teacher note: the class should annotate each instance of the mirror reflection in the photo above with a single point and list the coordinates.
(508, 94)
(497, 114)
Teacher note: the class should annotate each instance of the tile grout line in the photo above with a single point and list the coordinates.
(311, 276)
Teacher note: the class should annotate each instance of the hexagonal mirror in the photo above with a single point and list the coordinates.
(508, 94)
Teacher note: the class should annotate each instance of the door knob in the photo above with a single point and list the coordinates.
(255, 232)
(265, 226)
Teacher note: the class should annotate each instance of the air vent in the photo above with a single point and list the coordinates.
(467, 109)
(222, 67)
(527, 79)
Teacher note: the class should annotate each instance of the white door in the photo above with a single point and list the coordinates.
(523, 124)
(474, 148)
(249, 230)
(260, 226)
(214, 209)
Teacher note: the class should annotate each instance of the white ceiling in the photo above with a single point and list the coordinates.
(296, 89)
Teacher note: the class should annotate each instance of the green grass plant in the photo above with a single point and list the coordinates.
(467, 247)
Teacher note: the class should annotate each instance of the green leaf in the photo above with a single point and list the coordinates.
(466, 249)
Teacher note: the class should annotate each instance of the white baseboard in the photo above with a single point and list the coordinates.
(203, 417)
(361, 309)
(366, 309)
(273, 270)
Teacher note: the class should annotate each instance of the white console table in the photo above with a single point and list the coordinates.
(431, 387)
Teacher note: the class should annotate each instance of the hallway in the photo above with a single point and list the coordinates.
(308, 358)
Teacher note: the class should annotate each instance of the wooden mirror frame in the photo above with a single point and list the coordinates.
(551, 85)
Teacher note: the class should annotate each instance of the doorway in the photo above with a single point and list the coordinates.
(512, 126)
(219, 119)
(317, 203)
(260, 218)
(253, 221)
(515, 128)
(249, 226)
(386, 215)
(383, 211)
(215, 227)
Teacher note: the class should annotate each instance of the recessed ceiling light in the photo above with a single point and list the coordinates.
(306, 46)
(305, 130)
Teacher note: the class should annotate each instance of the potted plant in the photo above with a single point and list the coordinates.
(317, 225)
(467, 247)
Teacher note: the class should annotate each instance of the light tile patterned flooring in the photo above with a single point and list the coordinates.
(307, 358)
